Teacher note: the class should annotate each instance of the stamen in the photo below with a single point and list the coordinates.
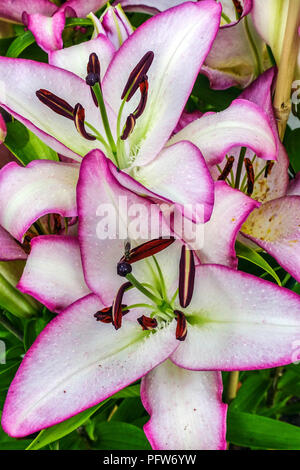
(123, 269)
(105, 315)
(147, 249)
(250, 176)
(181, 329)
(238, 6)
(58, 105)
(147, 323)
(186, 276)
(227, 169)
(117, 313)
(269, 167)
(137, 75)
(79, 118)
(129, 126)
(93, 70)
(143, 101)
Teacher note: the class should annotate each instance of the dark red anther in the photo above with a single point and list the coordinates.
(79, 118)
(137, 75)
(93, 70)
(227, 169)
(117, 311)
(186, 276)
(181, 329)
(250, 176)
(238, 6)
(269, 167)
(143, 101)
(58, 105)
(129, 126)
(147, 249)
(147, 323)
(105, 315)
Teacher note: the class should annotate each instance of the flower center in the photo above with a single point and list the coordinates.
(137, 80)
(162, 307)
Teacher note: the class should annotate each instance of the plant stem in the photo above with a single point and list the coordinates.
(10, 327)
(99, 96)
(273, 389)
(232, 386)
(286, 67)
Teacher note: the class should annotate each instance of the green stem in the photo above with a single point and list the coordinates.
(99, 96)
(130, 277)
(10, 327)
(258, 68)
(240, 167)
(232, 385)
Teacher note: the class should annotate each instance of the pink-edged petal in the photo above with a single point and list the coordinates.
(12, 9)
(179, 174)
(20, 79)
(237, 321)
(9, 249)
(75, 58)
(231, 208)
(151, 7)
(275, 227)
(186, 409)
(41, 188)
(275, 184)
(53, 272)
(171, 75)
(46, 30)
(3, 130)
(216, 133)
(186, 118)
(83, 7)
(107, 214)
(77, 362)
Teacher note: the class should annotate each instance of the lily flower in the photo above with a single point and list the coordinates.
(238, 55)
(220, 320)
(45, 19)
(145, 150)
(3, 130)
(274, 224)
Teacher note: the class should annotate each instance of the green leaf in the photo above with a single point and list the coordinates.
(249, 430)
(248, 254)
(20, 44)
(129, 392)
(118, 436)
(60, 430)
(251, 393)
(25, 145)
(292, 143)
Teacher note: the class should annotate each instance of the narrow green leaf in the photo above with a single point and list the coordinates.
(25, 145)
(292, 143)
(20, 44)
(248, 254)
(249, 430)
(251, 393)
(116, 435)
(129, 392)
(49, 435)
